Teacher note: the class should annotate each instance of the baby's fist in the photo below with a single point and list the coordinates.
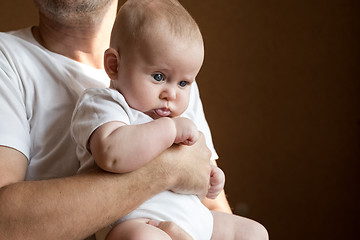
(186, 131)
(217, 182)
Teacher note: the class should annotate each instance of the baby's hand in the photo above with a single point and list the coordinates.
(186, 131)
(217, 182)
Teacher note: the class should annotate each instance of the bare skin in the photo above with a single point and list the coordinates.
(69, 202)
(171, 229)
(84, 42)
(76, 207)
(237, 227)
(220, 203)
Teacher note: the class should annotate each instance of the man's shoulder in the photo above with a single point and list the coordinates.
(15, 39)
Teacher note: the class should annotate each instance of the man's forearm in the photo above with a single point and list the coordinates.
(75, 207)
(71, 208)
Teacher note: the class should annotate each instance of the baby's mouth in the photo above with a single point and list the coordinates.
(162, 112)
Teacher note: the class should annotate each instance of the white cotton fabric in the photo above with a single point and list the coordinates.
(38, 93)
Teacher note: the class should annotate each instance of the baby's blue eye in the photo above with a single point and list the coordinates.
(183, 83)
(158, 77)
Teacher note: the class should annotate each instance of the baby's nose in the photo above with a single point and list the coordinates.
(168, 94)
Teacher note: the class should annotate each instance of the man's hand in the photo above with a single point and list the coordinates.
(187, 168)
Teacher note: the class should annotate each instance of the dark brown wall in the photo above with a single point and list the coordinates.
(16, 14)
(280, 87)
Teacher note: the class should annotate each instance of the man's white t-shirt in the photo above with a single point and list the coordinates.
(38, 92)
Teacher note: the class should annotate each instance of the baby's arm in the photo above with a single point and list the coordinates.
(117, 147)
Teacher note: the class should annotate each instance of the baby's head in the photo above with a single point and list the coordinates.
(155, 53)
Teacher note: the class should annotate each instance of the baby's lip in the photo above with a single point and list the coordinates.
(162, 112)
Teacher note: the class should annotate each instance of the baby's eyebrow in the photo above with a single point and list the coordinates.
(191, 79)
(157, 66)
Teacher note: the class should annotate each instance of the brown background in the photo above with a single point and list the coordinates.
(280, 87)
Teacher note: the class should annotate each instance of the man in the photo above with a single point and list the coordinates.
(42, 72)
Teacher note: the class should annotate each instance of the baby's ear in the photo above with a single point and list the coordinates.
(111, 61)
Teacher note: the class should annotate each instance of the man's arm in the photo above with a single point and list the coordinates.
(76, 207)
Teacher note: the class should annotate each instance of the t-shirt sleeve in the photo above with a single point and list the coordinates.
(94, 108)
(196, 113)
(14, 123)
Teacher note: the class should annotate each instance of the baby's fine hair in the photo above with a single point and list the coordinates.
(138, 19)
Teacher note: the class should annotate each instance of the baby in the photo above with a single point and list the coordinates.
(156, 51)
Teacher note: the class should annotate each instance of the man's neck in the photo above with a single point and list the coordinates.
(84, 43)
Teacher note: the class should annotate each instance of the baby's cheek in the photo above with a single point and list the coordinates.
(182, 105)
